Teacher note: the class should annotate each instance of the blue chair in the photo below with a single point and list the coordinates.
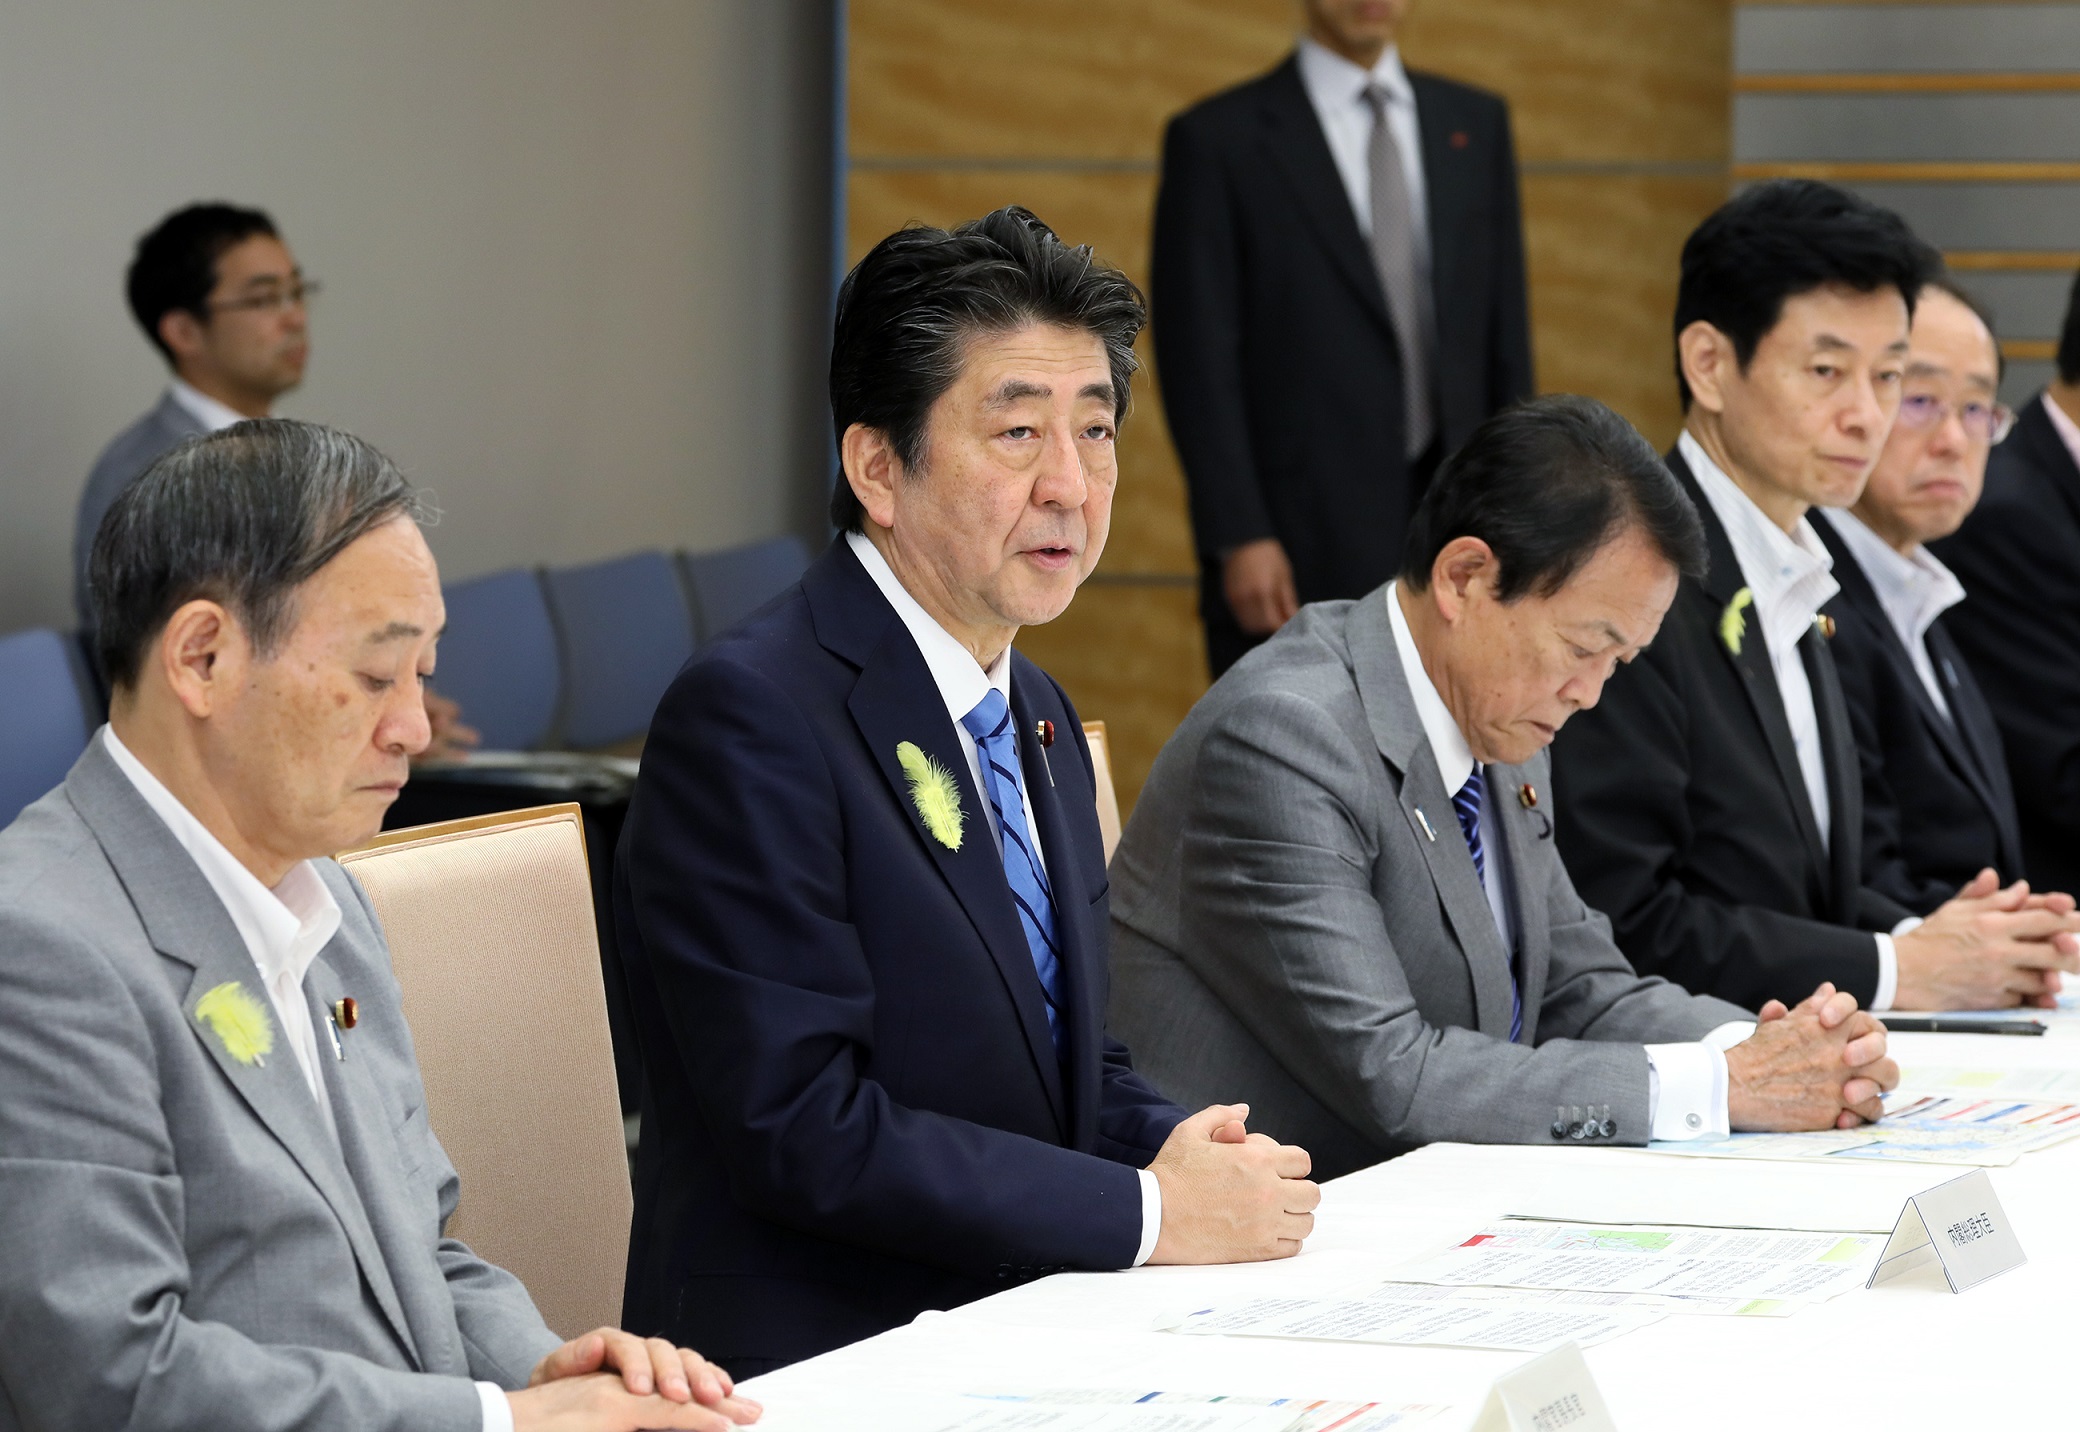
(626, 631)
(729, 585)
(43, 722)
(498, 658)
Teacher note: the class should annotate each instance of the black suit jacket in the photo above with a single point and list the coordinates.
(1280, 373)
(853, 1109)
(1937, 808)
(1683, 816)
(2018, 556)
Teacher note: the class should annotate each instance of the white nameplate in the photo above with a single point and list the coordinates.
(1551, 1393)
(1960, 1224)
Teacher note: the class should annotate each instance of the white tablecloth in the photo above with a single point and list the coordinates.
(1907, 1355)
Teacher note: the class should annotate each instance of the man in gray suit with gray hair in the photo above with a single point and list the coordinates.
(1339, 900)
(220, 1200)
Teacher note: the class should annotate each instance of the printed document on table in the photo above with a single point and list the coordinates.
(1096, 1410)
(1917, 1128)
(2014, 1083)
(1648, 1258)
(1426, 1316)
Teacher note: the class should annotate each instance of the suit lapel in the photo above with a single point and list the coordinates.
(1844, 775)
(187, 924)
(1765, 699)
(1986, 766)
(1522, 830)
(1301, 154)
(893, 701)
(1447, 191)
(1397, 732)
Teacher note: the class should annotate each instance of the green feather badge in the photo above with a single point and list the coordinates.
(239, 1021)
(934, 793)
(1733, 626)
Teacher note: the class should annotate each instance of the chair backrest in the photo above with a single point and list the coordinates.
(729, 585)
(1108, 796)
(491, 933)
(43, 720)
(626, 631)
(498, 659)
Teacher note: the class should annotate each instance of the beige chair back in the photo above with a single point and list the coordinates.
(1108, 797)
(491, 933)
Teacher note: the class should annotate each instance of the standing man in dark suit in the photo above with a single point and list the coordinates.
(1937, 808)
(1339, 300)
(863, 894)
(2018, 556)
(1712, 804)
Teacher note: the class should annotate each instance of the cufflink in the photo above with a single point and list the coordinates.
(346, 1013)
(1693, 1121)
(1045, 731)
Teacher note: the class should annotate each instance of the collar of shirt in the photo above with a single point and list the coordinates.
(2068, 430)
(1913, 590)
(1333, 82)
(1790, 575)
(283, 928)
(213, 415)
(1447, 742)
(961, 679)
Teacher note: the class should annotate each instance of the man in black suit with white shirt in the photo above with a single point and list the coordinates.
(1339, 300)
(1937, 808)
(1712, 803)
(2018, 555)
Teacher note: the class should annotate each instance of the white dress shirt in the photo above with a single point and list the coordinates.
(1791, 577)
(213, 415)
(1914, 591)
(962, 682)
(1686, 1083)
(283, 930)
(1336, 89)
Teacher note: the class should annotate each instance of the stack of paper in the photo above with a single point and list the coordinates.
(1081, 1410)
(1917, 1128)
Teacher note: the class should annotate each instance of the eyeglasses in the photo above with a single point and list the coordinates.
(296, 295)
(1983, 422)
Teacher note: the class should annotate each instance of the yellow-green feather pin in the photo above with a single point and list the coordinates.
(934, 793)
(1733, 626)
(239, 1021)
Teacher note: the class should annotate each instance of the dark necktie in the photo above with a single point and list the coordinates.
(997, 746)
(1467, 806)
(1394, 255)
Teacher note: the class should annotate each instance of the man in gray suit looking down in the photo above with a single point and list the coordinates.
(1338, 898)
(221, 1204)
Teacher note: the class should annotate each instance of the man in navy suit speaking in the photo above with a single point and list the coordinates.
(863, 896)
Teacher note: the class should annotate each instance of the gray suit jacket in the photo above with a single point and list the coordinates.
(1285, 932)
(121, 463)
(185, 1246)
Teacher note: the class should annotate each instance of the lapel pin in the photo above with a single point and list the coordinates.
(1460, 139)
(346, 1012)
(1826, 625)
(1527, 796)
(1045, 731)
(1424, 822)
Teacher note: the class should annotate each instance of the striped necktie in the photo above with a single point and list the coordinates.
(1467, 806)
(1394, 255)
(997, 746)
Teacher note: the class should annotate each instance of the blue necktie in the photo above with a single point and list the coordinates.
(1467, 806)
(997, 744)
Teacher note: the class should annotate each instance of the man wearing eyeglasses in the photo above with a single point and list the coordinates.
(1937, 807)
(220, 296)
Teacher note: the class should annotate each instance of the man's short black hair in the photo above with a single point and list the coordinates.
(243, 516)
(1547, 484)
(176, 263)
(2069, 337)
(1783, 238)
(908, 309)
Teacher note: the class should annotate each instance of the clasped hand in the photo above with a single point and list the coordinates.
(612, 1381)
(1989, 947)
(1231, 1196)
(1819, 1066)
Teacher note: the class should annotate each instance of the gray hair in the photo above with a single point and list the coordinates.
(243, 517)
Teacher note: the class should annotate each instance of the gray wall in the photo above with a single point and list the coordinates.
(576, 253)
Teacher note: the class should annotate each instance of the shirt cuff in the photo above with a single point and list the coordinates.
(498, 1413)
(1686, 1086)
(1151, 1218)
(1888, 964)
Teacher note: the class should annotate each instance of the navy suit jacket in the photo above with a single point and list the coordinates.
(1937, 807)
(854, 1111)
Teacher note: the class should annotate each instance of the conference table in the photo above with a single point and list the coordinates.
(1908, 1354)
